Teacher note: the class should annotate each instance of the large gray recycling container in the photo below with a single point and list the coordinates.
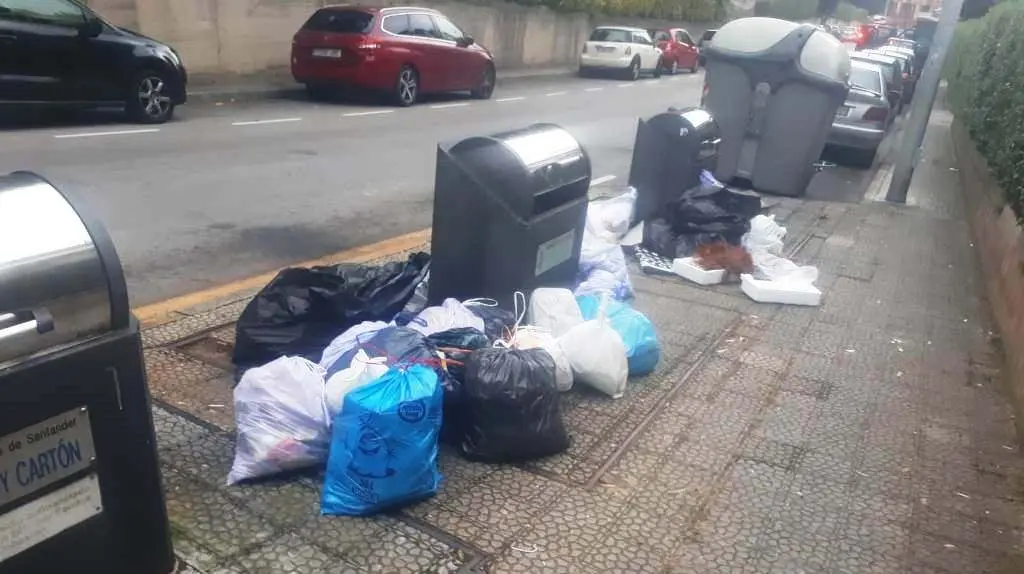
(774, 87)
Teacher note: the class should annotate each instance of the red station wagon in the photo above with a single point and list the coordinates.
(678, 51)
(403, 52)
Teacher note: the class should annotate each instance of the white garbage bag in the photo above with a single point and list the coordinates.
(349, 340)
(597, 354)
(363, 370)
(281, 419)
(603, 267)
(532, 337)
(553, 309)
(609, 219)
(764, 242)
(451, 314)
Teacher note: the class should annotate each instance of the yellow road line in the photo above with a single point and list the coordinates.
(164, 311)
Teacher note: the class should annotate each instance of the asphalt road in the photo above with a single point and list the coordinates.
(229, 191)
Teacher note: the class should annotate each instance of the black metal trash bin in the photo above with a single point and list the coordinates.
(670, 151)
(80, 487)
(509, 213)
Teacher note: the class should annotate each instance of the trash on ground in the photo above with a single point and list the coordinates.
(689, 269)
(383, 450)
(363, 369)
(349, 341)
(766, 291)
(637, 332)
(455, 346)
(597, 354)
(553, 309)
(498, 322)
(609, 219)
(513, 409)
(531, 337)
(450, 314)
(734, 259)
(603, 269)
(281, 419)
(776, 279)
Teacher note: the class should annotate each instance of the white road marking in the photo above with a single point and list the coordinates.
(98, 134)
(515, 99)
(556, 94)
(370, 113)
(602, 179)
(446, 106)
(593, 89)
(625, 85)
(261, 122)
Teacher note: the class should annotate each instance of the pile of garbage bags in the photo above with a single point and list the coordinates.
(346, 368)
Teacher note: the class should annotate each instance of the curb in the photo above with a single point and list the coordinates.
(281, 88)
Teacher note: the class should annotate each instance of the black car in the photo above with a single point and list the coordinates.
(58, 52)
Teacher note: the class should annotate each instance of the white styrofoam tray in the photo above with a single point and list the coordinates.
(774, 292)
(687, 268)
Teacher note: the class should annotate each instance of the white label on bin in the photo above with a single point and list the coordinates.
(48, 516)
(555, 251)
(44, 453)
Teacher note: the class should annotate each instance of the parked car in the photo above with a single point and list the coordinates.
(60, 53)
(910, 71)
(863, 120)
(892, 68)
(678, 50)
(902, 43)
(629, 51)
(404, 52)
(705, 39)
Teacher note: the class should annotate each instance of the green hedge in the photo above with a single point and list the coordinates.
(985, 71)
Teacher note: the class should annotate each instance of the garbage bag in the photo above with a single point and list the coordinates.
(456, 345)
(364, 369)
(764, 242)
(301, 310)
(384, 444)
(703, 214)
(531, 337)
(603, 269)
(498, 322)
(513, 410)
(637, 332)
(659, 238)
(553, 309)
(349, 341)
(281, 419)
(610, 219)
(597, 354)
(417, 303)
(451, 314)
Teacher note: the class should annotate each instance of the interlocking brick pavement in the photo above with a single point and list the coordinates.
(868, 435)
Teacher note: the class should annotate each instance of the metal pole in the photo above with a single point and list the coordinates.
(908, 152)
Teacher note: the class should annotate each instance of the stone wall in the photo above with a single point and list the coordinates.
(247, 36)
(999, 241)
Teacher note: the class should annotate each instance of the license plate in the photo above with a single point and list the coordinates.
(843, 111)
(605, 49)
(44, 453)
(326, 53)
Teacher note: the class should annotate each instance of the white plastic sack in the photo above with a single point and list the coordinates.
(281, 419)
(609, 219)
(349, 340)
(597, 354)
(603, 267)
(553, 309)
(764, 243)
(451, 314)
(363, 369)
(531, 337)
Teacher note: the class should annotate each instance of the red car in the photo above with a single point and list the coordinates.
(403, 52)
(678, 50)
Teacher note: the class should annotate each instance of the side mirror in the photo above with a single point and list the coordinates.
(465, 41)
(92, 28)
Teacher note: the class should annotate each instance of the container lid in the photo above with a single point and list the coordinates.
(816, 52)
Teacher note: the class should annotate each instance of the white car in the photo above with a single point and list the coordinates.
(629, 51)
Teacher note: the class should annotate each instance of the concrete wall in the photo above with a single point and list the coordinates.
(247, 36)
(999, 241)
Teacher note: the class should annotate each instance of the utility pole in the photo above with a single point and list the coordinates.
(909, 151)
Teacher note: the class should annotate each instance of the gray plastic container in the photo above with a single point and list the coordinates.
(774, 87)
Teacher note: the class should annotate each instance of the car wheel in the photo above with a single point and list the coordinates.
(485, 89)
(407, 87)
(148, 101)
(633, 72)
(657, 72)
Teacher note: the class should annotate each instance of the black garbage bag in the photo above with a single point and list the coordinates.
(496, 319)
(513, 409)
(703, 214)
(301, 310)
(659, 238)
(457, 344)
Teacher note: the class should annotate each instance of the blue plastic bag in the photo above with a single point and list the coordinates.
(384, 444)
(636, 330)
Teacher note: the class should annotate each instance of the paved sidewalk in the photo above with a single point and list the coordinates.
(868, 435)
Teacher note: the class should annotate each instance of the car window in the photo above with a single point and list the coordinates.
(641, 38)
(55, 12)
(422, 25)
(448, 30)
(336, 21)
(610, 35)
(396, 23)
(866, 78)
(661, 36)
(683, 37)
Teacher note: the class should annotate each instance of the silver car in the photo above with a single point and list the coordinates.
(862, 122)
